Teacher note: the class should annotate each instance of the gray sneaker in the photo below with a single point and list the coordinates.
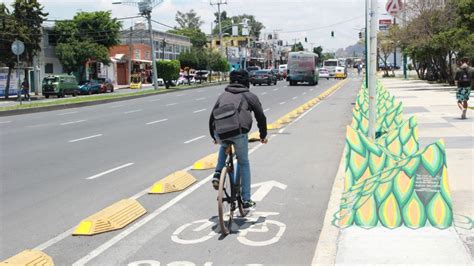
(215, 180)
(463, 116)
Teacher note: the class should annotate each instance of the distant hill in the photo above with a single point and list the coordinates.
(356, 50)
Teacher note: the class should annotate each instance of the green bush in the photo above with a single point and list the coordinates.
(168, 71)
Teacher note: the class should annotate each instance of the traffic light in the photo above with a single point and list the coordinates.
(305, 39)
(332, 33)
(360, 35)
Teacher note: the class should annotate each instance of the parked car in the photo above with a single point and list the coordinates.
(265, 76)
(106, 85)
(60, 85)
(201, 75)
(90, 87)
(324, 73)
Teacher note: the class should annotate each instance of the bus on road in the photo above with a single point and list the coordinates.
(302, 68)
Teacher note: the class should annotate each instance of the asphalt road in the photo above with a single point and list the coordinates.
(59, 167)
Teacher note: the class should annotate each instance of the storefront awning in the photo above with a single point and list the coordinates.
(142, 61)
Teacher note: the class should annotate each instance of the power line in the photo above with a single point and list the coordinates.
(324, 27)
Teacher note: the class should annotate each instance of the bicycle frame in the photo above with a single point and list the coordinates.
(235, 186)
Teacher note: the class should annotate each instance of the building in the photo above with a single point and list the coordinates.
(130, 59)
(168, 46)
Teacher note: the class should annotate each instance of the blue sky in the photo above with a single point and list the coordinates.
(296, 19)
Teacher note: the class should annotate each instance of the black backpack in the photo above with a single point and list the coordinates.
(464, 79)
(226, 112)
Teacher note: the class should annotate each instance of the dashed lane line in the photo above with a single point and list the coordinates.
(110, 171)
(179, 95)
(132, 111)
(192, 140)
(282, 102)
(304, 93)
(117, 106)
(155, 100)
(171, 104)
(198, 111)
(5, 122)
(200, 99)
(266, 110)
(73, 122)
(68, 113)
(263, 93)
(275, 89)
(294, 98)
(90, 137)
(157, 121)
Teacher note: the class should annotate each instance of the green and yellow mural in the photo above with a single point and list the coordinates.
(390, 182)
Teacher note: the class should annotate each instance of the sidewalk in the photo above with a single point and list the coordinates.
(438, 117)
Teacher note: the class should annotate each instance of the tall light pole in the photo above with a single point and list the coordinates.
(218, 3)
(145, 7)
(373, 69)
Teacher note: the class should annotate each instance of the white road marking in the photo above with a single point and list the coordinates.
(179, 95)
(264, 188)
(109, 171)
(171, 104)
(90, 137)
(266, 110)
(296, 97)
(282, 102)
(311, 89)
(198, 111)
(155, 100)
(200, 90)
(5, 122)
(200, 99)
(191, 140)
(73, 122)
(157, 121)
(68, 113)
(263, 93)
(56, 239)
(116, 106)
(132, 228)
(304, 93)
(132, 111)
(275, 89)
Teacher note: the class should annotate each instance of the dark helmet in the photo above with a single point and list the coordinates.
(240, 76)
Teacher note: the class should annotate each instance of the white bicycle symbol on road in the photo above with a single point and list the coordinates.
(248, 228)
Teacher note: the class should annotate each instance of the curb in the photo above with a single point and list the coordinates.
(82, 104)
(326, 248)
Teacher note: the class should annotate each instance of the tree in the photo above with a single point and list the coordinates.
(319, 51)
(297, 47)
(24, 24)
(197, 37)
(386, 46)
(86, 37)
(188, 60)
(255, 26)
(189, 20)
(168, 71)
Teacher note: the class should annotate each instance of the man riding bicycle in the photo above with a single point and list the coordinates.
(230, 121)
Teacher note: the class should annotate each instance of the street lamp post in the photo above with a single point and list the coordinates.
(373, 69)
(145, 7)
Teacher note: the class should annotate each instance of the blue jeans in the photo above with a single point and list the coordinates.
(241, 145)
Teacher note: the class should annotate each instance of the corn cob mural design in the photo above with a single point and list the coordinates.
(389, 181)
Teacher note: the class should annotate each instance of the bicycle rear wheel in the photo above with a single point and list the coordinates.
(224, 202)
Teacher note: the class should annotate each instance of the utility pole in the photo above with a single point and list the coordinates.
(130, 50)
(218, 3)
(405, 59)
(373, 70)
(145, 7)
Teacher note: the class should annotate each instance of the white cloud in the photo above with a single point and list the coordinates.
(308, 17)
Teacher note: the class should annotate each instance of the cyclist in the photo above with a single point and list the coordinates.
(231, 120)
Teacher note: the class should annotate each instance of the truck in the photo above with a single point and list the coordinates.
(302, 68)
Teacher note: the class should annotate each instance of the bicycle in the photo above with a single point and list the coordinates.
(229, 196)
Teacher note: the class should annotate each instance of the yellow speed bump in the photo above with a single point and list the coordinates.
(254, 136)
(116, 216)
(29, 257)
(175, 182)
(274, 126)
(293, 114)
(207, 162)
(284, 120)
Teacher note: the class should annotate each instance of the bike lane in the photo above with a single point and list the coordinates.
(292, 178)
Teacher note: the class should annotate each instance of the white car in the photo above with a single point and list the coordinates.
(324, 73)
(161, 82)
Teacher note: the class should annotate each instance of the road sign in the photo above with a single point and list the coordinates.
(385, 21)
(18, 47)
(393, 7)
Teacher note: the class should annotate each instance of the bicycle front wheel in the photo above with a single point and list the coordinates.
(224, 202)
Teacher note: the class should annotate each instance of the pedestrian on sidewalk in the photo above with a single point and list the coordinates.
(463, 79)
(25, 89)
